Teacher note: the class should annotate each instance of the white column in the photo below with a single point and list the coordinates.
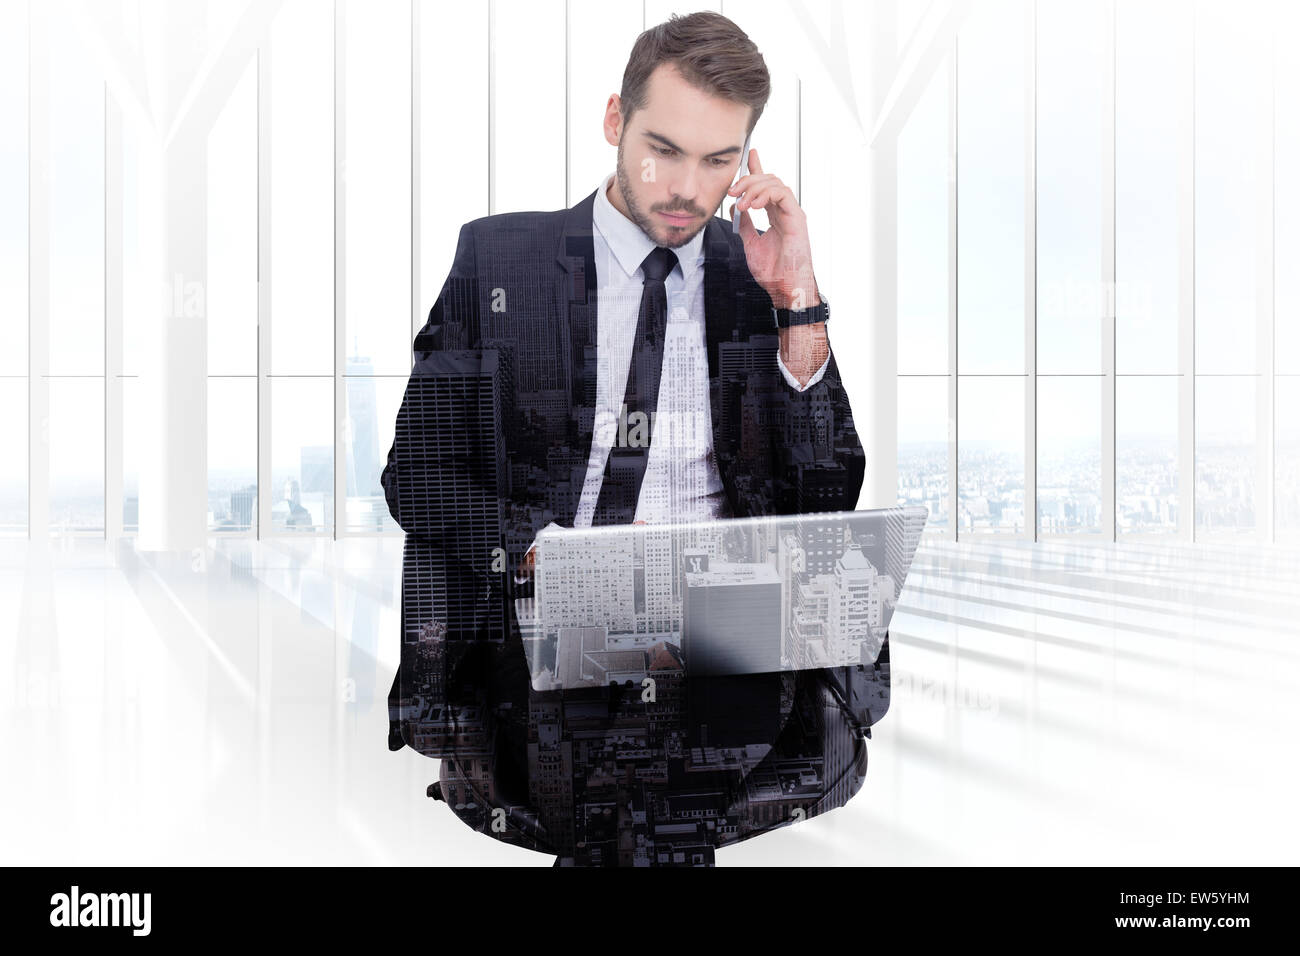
(173, 476)
(38, 277)
(1265, 431)
(265, 496)
(1108, 530)
(113, 403)
(1186, 178)
(1030, 53)
(341, 430)
(954, 498)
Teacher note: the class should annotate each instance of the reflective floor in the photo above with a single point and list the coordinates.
(1052, 703)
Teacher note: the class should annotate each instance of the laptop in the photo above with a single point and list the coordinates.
(769, 594)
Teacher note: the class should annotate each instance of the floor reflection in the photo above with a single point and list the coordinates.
(1056, 703)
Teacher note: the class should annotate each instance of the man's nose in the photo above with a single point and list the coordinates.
(686, 186)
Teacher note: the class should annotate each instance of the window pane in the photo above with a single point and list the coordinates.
(232, 233)
(1146, 454)
(76, 211)
(1228, 54)
(1286, 200)
(991, 454)
(302, 454)
(1148, 91)
(909, 17)
(302, 189)
(1225, 453)
(1071, 57)
(991, 189)
(13, 196)
(923, 235)
(1069, 454)
(378, 186)
(372, 416)
(445, 66)
(13, 456)
(923, 430)
(529, 115)
(232, 454)
(1286, 500)
(76, 441)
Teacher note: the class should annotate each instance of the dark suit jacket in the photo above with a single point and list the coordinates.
(495, 430)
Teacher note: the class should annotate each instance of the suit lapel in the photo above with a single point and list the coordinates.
(574, 311)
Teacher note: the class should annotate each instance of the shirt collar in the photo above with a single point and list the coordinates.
(630, 245)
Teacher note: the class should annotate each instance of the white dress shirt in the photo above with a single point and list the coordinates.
(682, 481)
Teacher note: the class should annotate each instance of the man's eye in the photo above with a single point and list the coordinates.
(718, 163)
(662, 150)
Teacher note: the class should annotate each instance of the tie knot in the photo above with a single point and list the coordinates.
(658, 264)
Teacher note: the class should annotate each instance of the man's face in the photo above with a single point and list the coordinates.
(677, 156)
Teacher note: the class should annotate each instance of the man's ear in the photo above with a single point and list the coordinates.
(613, 120)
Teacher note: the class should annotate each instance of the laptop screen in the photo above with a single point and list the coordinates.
(618, 603)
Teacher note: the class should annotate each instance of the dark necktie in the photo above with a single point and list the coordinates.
(626, 465)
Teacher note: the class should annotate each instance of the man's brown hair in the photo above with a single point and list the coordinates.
(712, 54)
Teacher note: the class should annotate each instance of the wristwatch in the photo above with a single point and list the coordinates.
(785, 318)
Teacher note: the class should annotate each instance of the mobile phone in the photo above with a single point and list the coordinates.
(744, 165)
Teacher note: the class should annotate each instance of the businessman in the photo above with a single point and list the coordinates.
(631, 359)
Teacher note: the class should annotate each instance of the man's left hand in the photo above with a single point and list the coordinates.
(780, 259)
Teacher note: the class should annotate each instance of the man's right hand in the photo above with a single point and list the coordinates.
(526, 565)
(525, 569)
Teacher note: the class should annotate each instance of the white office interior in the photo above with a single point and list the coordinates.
(1057, 238)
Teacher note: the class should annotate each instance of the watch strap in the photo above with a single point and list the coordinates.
(785, 318)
